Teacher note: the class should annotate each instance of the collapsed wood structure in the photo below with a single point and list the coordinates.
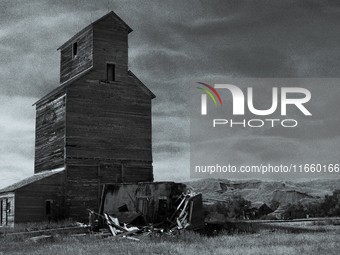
(93, 134)
(153, 200)
(158, 202)
(186, 213)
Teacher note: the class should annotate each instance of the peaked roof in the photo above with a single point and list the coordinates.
(129, 29)
(257, 205)
(282, 208)
(143, 87)
(61, 87)
(64, 85)
(29, 180)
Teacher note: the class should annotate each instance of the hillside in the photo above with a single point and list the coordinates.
(265, 191)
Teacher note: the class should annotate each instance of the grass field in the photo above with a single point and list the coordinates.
(188, 243)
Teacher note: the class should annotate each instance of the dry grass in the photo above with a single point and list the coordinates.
(264, 242)
(36, 226)
(328, 224)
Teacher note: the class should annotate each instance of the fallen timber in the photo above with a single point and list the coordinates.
(187, 215)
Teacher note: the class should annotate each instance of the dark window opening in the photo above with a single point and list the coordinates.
(74, 49)
(48, 207)
(1, 209)
(110, 72)
(123, 208)
(8, 207)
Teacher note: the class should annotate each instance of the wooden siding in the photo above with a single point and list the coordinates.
(83, 188)
(7, 207)
(70, 66)
(107, 121)
(117, 171)
(125, 172)
(50, 134)
(197, 216)
(110, 44)
(142, 197)
(111, 173)
(30, 199)
(138, 173)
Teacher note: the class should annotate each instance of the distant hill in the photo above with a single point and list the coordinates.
(265, 191)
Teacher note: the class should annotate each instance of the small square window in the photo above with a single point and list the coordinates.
(110, 72)
(74, 50)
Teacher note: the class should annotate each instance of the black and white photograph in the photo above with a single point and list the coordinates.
(169, 127)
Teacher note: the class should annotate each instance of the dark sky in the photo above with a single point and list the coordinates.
(174, 43)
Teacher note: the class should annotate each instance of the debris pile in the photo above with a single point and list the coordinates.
(183, 215)
(187, 214)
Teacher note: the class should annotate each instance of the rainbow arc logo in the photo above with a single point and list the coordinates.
(204, 97)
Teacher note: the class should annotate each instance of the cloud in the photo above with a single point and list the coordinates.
(174, 44)
(172, 129)
(17, 138)
(172, 166)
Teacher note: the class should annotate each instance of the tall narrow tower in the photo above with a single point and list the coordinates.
(97, 123)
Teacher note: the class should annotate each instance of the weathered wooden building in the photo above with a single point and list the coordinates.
(30, 199)
(167, 203)
(154, 200)
(257, 210)
(95, 127)
(288, 212)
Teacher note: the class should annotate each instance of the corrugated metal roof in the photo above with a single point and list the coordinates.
(31, 179)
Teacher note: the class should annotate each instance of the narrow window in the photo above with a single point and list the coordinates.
(74, 50)
(8, 207)
(7, 212)
(110, 72)
(48, 207)
(1, 209)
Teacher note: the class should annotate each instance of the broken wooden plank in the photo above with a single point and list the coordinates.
(112, 229)
(129, 233)
(40, 238)
(190, 210)
(131, 238)
(101, 197)
(115, 225)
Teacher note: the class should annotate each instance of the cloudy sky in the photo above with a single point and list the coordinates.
(174, 43)
(313, 139)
